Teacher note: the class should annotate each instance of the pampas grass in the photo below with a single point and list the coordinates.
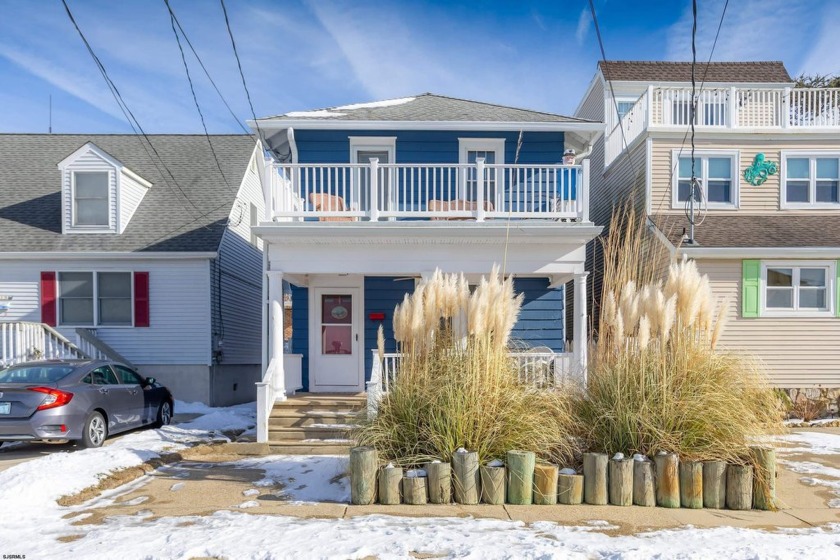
(655, 381)
(457, 386)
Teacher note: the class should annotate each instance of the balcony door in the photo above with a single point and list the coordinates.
(362, 150)
(492, 151)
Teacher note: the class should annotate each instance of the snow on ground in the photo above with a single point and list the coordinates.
(818, 443)
(33, 521)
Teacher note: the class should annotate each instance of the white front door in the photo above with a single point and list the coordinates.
(336, 359)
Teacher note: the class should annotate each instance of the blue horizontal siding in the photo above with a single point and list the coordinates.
(541, 319)
(382, 294)
(300, 329)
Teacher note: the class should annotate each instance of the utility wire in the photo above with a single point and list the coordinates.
(241, 73)
(192, 90)
(132, 120)
(207, 72)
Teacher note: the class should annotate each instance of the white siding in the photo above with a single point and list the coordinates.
(239, 277)
(131, 194)
(180, 317)
(88, 161)
(797, 352)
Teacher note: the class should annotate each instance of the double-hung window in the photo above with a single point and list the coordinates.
(718, 179)
(811, 181)
(95, 299)
(798, 288)
(91, 199)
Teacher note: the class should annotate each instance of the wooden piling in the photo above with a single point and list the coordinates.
(621, 482)
(545, 484)
(643, 484)
(389, 485)
(739, 487)
(691, 484)
(570, 489)
(667, 480)
(364, 463)
(764, 477)
(492, 485)
(714, 484)
(520, 477)
(439, 482)
(466, 477)
(595, 476)
(415, 490)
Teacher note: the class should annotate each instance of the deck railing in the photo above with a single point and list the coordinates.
(23, 341)
(542, 370)
(389, 191)
(790, 109)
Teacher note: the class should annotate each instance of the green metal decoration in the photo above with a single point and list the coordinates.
(758, 172)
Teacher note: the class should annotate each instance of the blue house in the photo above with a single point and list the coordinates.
(364, 200)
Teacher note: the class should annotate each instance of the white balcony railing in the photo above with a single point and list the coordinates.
(388, 191)
(790, 109)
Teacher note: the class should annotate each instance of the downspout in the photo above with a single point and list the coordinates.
(584, 154)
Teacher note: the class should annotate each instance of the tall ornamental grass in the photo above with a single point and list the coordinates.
(457, 385)
(656, 379)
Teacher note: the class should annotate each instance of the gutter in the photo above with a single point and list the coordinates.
(488, 126)
(105, 255)
(760, 252)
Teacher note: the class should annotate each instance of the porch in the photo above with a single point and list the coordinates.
(377, 191)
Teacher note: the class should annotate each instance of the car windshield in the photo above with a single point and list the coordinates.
(34, 374)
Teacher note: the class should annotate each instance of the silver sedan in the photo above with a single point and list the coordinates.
(73, 400)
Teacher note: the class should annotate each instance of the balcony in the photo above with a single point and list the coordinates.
(396, 191)
(738, 109)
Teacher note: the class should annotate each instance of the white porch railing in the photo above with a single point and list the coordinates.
(376, 191)
(267, 391)
(543, 370)
(23, 341)
(793, 109)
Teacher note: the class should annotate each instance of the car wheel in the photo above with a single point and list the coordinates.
(164, 417)
(95, 431)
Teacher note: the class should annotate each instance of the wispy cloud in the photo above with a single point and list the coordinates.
(582, 30)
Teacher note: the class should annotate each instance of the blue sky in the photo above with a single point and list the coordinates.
(305, 54)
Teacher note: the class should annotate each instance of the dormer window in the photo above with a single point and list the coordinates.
(91, 198)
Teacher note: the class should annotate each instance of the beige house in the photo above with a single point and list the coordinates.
(766, 205)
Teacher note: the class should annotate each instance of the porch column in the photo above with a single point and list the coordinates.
(275, 333)
(581, 319)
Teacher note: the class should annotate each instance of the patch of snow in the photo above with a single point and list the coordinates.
(249, 504)
(817, 443)
(192, 408)
(809, 467)
(639, 457)
(334, 426)
(251, 492)
(568, 471)
(376, 104)
(415, 473)
(389, 466)
(177, 486)
(461, 450)
(136, 501)
(313, 114)
(436, 461)
(303, 478)
(496, 463)
(618, 456)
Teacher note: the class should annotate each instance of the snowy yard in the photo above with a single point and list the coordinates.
(35, 525)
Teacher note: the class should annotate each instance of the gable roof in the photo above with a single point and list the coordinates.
(30, 191)
(755, 231)
(426, 107)
(662, 71)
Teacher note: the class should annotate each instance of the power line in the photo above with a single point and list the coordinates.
(207, 72)
(192, 90)
(132, 120)
(241, 73)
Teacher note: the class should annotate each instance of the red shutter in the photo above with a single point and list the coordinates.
(48, 304)
(141, 299)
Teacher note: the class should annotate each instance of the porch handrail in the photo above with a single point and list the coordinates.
(97, 348)
(22, 341)
(266, 394)
(376, 191)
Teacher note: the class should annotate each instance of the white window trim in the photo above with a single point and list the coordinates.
(702, 156)
(611, 117)
(110, 228)
(830, 295)
(96, 324)
(812, 155)
(373, 143)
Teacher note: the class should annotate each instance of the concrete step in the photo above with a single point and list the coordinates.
(308, 433)
(298, 447)
(327, 404)
(290, 418)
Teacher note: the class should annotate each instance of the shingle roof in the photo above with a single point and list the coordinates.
(788, 230)
(662, 71)
(30, 202)
(427, 107)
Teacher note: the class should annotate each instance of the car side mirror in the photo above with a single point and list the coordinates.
(149, 381)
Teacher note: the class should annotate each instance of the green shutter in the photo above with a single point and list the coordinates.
(750, 288)
(837, 289)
